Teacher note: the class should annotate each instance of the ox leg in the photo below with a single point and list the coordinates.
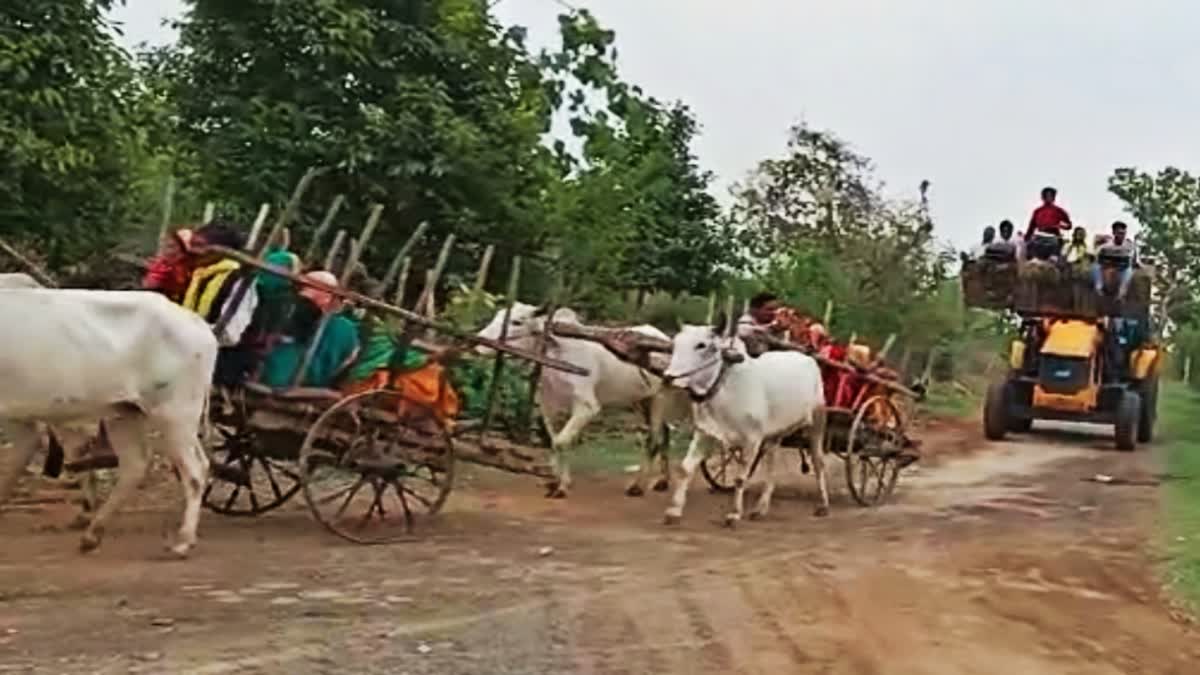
(763, 507)
(126, 434)
(582, 413)
(652, 446)
(816, 448)
(181, 445)
(25, 439)
(739, 484)
(697, 452)
(660, 437)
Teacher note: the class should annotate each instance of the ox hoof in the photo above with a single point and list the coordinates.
(81, 521)
(556, 493)
(634, 491)
(179, 550)
(731, 520)
(757, 515)
(89, 542)
(821, 511)
(662, 485)
(672, 518)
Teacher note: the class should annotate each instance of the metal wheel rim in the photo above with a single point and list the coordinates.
(279, 482)
(412, 506)
(871, 476)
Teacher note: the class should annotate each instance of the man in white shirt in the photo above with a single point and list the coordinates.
(1120, 246)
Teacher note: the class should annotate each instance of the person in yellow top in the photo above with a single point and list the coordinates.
(1077, 252)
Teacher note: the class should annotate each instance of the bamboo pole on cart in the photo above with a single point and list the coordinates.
(398, 260)
(827, 318)
(334, 250)
(259, 221)
(168, 207)
(210, 212)
(514, 281)
(485, 264)
(347, 271)
(730, 319)
(314, 246)
(43, 277)
(402, 280)
(379, 305)
(712, 308)
(425, 300)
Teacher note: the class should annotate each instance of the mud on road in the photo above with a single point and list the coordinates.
(993, 558)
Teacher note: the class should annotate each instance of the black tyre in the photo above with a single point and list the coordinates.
(995, 412)
(1149, 394)
(1020, 425)
(1129, 413)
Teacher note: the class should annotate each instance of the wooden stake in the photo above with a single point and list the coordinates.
(31, 267)
(1187, 370)
(828, 318)
(730, 319)
(314, 246)
(712, 308)
(401, 255)
(357, 246)
(514, 281)
(331, 257)
(435, 274)
(210, 211)
(402, 280)
(484, 265)
(887, 347)
(259, 221)
(168, 207)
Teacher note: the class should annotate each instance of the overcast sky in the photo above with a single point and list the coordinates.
(988, 99)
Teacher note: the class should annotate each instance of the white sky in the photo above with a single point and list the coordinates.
(988, 99)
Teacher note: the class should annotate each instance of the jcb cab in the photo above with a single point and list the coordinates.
(1102, 371)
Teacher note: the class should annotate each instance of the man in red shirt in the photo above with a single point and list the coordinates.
(1049, 217)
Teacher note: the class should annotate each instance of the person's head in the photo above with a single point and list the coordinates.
(1119, 230)
(217, 233)
(763, 307)
(1049, 194)
(324, 300)
(1079, 236)
(989, 234)
(1006, 229)
(817, 335)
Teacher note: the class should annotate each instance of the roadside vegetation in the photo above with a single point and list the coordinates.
(1180, 450)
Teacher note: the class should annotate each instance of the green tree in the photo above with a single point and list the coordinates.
(426, 103)
(1167, 205)
(70, 144)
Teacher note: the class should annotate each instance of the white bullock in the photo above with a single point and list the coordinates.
(72, 439)
(131, 358)
(749, 404)
(611, 383)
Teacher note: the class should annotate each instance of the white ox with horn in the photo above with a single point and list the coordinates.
(131, 358)
(748, 404)
(612, 383)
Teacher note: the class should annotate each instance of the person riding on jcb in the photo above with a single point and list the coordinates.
(1119, 252)
(1044, 237)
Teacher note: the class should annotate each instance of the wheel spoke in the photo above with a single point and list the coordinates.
(419, 497)
(266, 464)
(408, 516)
(350, 497)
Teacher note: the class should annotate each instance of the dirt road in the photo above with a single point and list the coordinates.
(998, 560)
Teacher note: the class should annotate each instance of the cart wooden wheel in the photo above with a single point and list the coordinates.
(265, 481)
(720, 469)
(375, 466)
(874, 451)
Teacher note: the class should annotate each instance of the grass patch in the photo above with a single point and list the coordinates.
(948, 400)
(1179, 422)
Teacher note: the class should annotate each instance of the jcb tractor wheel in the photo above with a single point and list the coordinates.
(1129, 414)
(995, 412)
